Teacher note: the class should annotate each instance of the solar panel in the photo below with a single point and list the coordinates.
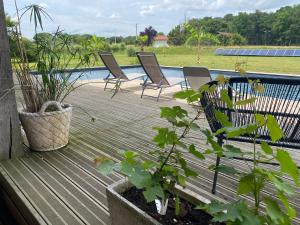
(289, 52)
(252, 52)
(234, 52)
(280, 52)
(219, 51)
(297, 52)
(264, 52)
(246, 52)
(272, 52)
(239, 52)
(259, 52)
(226, 51)
(255, 52)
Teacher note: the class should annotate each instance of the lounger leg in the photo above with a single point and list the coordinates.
(220, 142)
(159, 94)
(144, 87)
(105, 85)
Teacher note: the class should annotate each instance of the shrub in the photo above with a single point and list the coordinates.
(114, 47)
(232, 39)
(131, 52)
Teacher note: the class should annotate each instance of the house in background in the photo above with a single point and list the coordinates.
(160, 41)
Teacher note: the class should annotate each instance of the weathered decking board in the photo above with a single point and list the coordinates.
(63, 187)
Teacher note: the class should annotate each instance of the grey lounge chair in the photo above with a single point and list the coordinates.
(116, 75)
(155, 77)
(195, 77)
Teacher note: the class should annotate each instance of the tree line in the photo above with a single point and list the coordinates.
(259, 28)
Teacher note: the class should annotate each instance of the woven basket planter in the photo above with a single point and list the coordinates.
(47, 131)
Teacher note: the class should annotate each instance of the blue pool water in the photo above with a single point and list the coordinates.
(169, 72)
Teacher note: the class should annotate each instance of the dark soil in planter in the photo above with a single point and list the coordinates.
(188, 215)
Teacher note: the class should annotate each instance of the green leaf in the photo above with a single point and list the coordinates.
(266, 148)
(223, 118)
(192, 150)
(106, 167)
(246, 184)
(226, 98)
(165, 137)
(274, 212)
(236, 212)
(281, 185)
(195, 127)
(151, 193)
(260, 120)
(246, 101)
(290, 210)
(287, 165)
(181, 181)
(274, 128)
(232, 151)
(187, 171)
(226, 169)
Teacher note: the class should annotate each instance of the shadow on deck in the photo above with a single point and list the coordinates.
(63, 187)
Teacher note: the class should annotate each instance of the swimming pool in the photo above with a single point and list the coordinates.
(99, 73)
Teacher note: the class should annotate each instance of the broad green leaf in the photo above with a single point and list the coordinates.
(232, 151)
(236, 212)
(165, 137)
(184, 94)
(187, 171)
(246, 184)
(227, 170)
(181, 181)
(260, 120)
(106, 167)
(287, 165)
(195, 127)
(246, 101)
(290, 210)
(274, 212)
(266, 148)
(223, 119)
(151, 193)
(226, 98)
(192, 150)
(274, 128)
(281, 185)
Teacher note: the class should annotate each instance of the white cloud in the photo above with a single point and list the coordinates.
(114, 15)
(105, 17)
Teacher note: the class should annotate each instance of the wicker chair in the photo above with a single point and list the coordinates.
(281, 98)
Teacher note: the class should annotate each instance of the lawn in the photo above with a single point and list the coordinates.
(187, 56)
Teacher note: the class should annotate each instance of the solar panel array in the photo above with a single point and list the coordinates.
(259, 52)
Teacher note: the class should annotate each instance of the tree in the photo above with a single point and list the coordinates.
(10, 135)
(151, 33)
(177, 36)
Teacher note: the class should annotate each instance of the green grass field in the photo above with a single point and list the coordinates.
(187, 56)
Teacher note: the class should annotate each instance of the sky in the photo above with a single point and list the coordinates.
(119, 17)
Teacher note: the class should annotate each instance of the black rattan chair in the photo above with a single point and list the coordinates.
(281, 98)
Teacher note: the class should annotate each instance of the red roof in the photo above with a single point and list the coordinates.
(161, 38)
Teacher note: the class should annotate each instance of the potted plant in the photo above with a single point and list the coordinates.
(266, 210)
(45, 117)
(153, 190)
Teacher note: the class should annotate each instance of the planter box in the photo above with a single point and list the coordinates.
(123, 212)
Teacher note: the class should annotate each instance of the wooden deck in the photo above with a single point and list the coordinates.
(63, 187)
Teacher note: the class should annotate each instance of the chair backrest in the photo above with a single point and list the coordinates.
(112, 65)
(280, 98)
(151, 67)
(196, 76)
